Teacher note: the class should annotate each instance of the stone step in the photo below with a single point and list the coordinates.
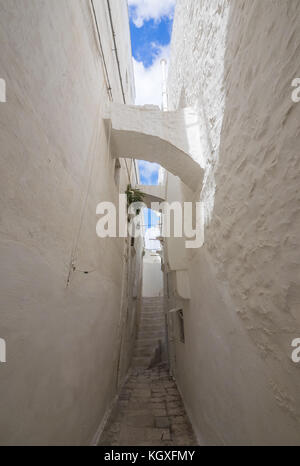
(152, 325)
(152, 300)
(151, 332)
(156, 318)
(153, 305)
(153, 343)
(155, 322)
(152, 313)
(144, 353)
(148, 340)
(152, 318)
(157, 304)
(141, 362)
(157, 335)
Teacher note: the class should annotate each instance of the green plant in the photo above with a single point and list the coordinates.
(134, 195)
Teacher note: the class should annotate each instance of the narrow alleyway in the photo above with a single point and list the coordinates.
(150, 411)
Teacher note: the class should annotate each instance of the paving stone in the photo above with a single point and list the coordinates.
(108, 438)
(173, 398)
(172, 391)
(142, 387)
(155, 435)
(169, 385)
(184, 441)
(178, 420)
(159, 395)
(157, 400)
(142, 419)
(158, 390)
(175, 404)
(141, 393)
(137, 405)
(114, 428)
(123, 403)
(181, 429)
(162, 422)
(156, 406)
(176, 411)
(159, 412)
(132, 436)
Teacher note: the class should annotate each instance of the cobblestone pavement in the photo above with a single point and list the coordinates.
(149, 412)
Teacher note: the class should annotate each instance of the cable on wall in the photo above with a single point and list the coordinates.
(116, 49)
(109, 89)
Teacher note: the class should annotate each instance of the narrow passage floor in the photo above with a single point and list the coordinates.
(149, 412)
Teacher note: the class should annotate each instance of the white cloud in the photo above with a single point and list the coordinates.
(145, 10)
(148, 81)
(147, 170)
(151, 236)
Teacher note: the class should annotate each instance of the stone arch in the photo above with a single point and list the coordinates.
(148, 134)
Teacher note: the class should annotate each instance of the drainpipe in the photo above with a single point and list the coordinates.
(163, 63)
(115, 49)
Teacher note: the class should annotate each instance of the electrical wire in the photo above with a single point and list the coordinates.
(108, 86)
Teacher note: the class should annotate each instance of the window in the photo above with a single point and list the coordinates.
(180, 320)
(117, 173)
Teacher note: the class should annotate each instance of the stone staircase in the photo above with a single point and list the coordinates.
(150, 349)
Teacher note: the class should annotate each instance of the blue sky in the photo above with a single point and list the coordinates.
(148, 39)
(151, 29)
(151, 219)
(148, 173)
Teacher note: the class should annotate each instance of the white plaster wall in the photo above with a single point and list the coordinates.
(176, 255)
(60, 374)
(152, 277)
(237, 59)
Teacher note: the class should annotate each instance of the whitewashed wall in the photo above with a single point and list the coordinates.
(236, 60)
(153, 285)
(62, 342)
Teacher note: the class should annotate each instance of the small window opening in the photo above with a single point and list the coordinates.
(180, 320)
(117, 173)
